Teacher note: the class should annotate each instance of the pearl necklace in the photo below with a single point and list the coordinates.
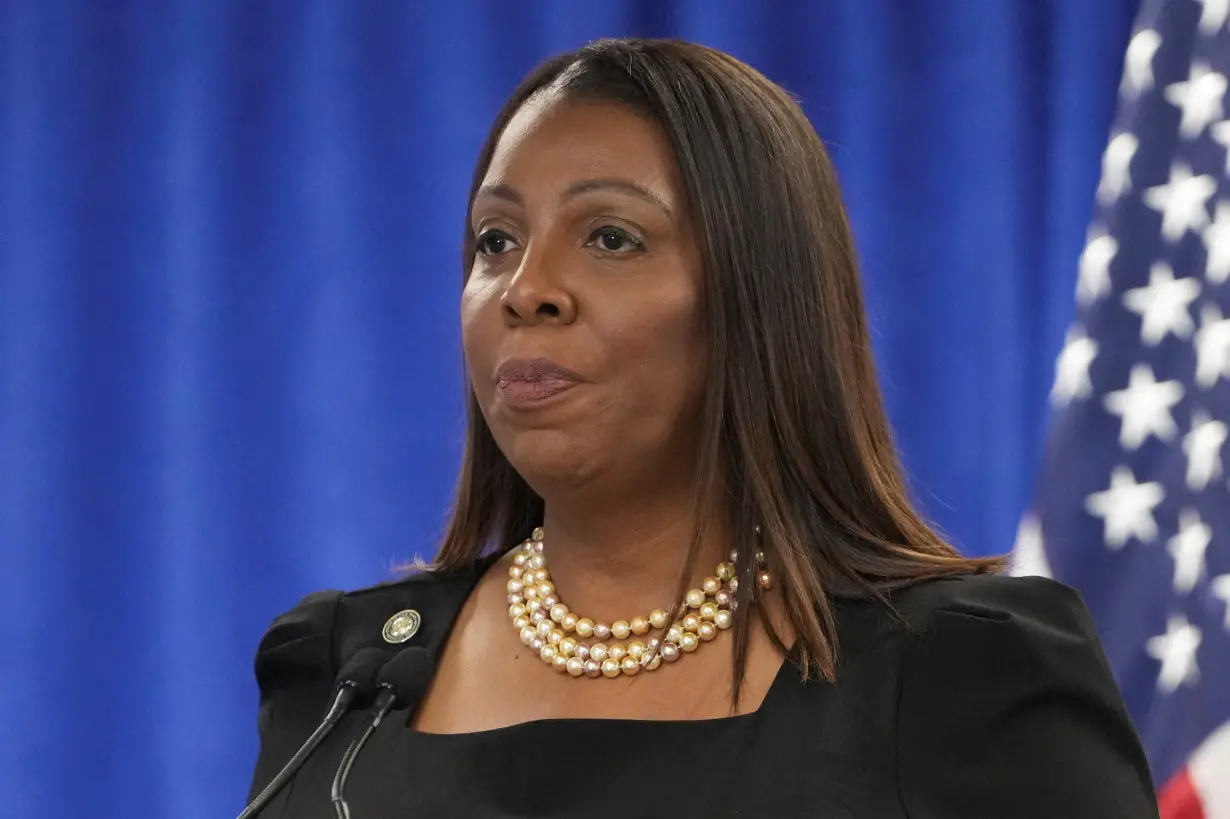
(579, 646)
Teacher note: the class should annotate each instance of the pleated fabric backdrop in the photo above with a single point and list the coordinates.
(229, 365)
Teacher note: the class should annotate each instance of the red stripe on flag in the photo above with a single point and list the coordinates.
(1179, 800)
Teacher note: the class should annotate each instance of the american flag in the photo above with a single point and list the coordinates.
(1132, 504)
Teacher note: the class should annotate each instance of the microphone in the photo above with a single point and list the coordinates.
(356, 683)
(403, 682)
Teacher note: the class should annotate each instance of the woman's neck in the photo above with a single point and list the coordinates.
(624, 560)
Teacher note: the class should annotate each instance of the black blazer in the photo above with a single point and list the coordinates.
(993, 701)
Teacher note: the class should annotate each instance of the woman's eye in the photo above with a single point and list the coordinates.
(614, 240)
(494, 242)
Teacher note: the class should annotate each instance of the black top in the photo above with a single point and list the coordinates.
(995, 701)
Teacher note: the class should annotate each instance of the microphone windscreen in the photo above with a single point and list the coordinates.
(361, 671)
(408, 674)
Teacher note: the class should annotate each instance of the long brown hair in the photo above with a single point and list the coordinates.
(796, 454)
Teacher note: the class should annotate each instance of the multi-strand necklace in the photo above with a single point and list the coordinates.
(582, 647)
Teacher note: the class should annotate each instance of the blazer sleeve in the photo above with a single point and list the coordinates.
(295, 669)
(1008, 709)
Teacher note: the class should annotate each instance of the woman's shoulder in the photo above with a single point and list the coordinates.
(979, 629)
(1001, 675)
(1014, 602)
(326, 626)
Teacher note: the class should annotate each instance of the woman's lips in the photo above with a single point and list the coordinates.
(526, 392)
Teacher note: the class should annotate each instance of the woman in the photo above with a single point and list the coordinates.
(683, 576)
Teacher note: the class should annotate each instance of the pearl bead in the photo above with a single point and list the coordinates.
(616, 652)
(559, 662)
(764, 580)
(658, 618)
(575, 666)
(707, 631)
(620, 629)
(708, 611)
(538, 616)
(568, 646)
(585, 627)
(602, 631)
(547, 653)
(724, 619)
(669, 652)
(689, 642)
(569, 622)
(555, 637)
(545, 589)
(515, 572)
(694, 598)
(651, 663)
(582, 651)
(639, 625)
(537, 561)
(537, 534)
(653, 644)
(533, 604)
(674, 633)
(733, 557)
(711, 585)
(723, 599)
(550, 601)
(545, 627)
(725, 571)
(537, 643)
(610, 668)
(558, 611)
(691, 623)
(593, 668)
(538, 548)
(528, 635)
(630, 666)
(521, 559)
(515, 586)
(760, 558)
(516, 599)
(516, 611)
(635, 649)
(521, 622)
(598, 651)
(734, 585)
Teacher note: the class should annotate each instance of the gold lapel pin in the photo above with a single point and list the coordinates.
(402, 626)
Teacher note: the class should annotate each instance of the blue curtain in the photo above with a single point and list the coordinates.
(229, 365)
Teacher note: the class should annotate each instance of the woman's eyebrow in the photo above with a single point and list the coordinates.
(583, 186)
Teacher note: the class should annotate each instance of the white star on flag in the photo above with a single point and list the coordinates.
(1138, 63)
(1188, 548)
(1221, 135)
(1117, 167)
(1126, 508)
(1216, 239)
(1176, 650)
(1212, 347)
(1213, 16)
(1221, 590)
(1144, 407)
(1202, 446)
(1163, 305)
(1181, 201)
(1093, 280)
(1072, 368)
(1200, 99)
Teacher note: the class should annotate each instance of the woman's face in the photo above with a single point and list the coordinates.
(582, 316)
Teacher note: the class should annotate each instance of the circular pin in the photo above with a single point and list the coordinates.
(402, 626)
